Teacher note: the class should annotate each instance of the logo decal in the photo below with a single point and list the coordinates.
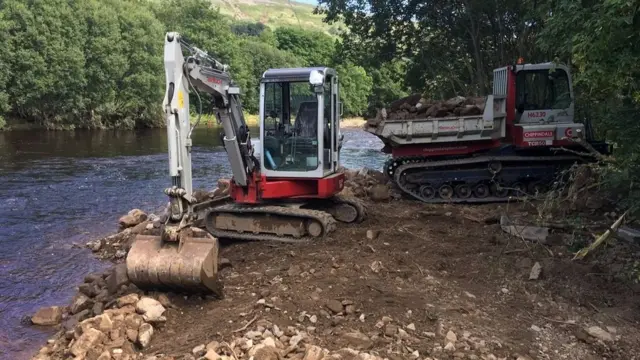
(538, 134)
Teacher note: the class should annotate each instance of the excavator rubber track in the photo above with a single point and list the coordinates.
(480, 179)
(268, 222)
(344, 208)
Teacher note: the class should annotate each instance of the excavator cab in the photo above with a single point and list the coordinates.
(299, 123)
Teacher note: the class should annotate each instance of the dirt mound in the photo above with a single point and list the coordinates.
(417, 107)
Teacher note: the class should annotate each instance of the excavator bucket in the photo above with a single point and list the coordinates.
(189, 264)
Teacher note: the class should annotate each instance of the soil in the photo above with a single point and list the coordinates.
(430, 266)
(420, 281)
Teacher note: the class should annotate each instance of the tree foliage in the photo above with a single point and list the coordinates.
(98, 63)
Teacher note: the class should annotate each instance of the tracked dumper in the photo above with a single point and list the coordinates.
(506, 145)
(287, 189)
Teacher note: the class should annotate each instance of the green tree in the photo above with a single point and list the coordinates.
(355, 88)
(315, 47)
(263, 57)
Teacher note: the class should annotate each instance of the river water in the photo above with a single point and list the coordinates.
(60, 189)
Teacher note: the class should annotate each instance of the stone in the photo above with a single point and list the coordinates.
(313, 319)
(199, 350)
(313, 352)
(150, 309)
(264, 352)
(535, 328)
(350, 309)
(47, 316)
(105, 355)
(372, 234)
(144, 334)
(98, 308)
(599, 333)
(334, 305)
(89, 339)
(80, 302)
(411, 327)
(132, 218)
(390, 330)
(450, 346)
(87, 289)
(536, 270)
(379, 192)
(132, 335)
(117, 278)
(358, 340)
(130, 299)
(211, 355)
(213, 345)
(451, 337)
(164, 300)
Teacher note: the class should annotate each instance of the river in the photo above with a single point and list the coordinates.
(61, 189)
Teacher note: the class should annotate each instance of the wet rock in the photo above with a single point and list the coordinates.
(132, 218)
(117, 278)
(150, 309)
(47, 316)
(144, 334)
(87, 289)
(334, 305)
(97, 308)
(599, 333)
(81, 302)
(89, 339)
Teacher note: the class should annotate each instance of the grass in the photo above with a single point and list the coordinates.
(275, 13)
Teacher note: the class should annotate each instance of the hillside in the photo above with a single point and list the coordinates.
(274, 13)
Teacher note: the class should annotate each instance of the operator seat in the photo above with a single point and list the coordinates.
(306, 124)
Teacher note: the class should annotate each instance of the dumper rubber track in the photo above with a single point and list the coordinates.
(480, 179)
(265, 217)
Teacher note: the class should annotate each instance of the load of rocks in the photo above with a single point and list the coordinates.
(368, 183)
(417, 107)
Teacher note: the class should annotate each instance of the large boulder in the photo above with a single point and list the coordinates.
(47, 316)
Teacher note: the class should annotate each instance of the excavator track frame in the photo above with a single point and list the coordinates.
(269, 213)
(401, 171)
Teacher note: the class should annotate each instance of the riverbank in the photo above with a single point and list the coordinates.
(205, 121)
(412, 281)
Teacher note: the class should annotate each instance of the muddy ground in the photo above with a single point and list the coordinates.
(430, 275)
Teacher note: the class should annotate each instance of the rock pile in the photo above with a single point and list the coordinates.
(136, 221)
(417, 107)
(268, 342)
(369, 183)
(109, 318)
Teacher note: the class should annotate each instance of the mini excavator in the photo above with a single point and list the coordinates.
(286, 189)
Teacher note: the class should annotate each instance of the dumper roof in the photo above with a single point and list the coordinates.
(293, 74)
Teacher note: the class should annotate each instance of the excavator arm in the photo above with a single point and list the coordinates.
(203, 74)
